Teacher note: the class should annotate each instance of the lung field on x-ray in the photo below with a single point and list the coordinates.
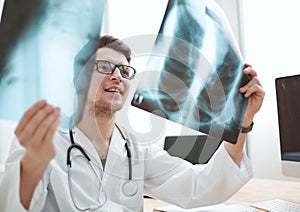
(41, 44)
(196, 83)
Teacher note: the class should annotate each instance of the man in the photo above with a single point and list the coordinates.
(120, 170)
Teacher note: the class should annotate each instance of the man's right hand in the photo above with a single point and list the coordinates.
(35, 132)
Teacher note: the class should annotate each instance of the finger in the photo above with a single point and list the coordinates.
(252, 82)
(26, 135)
(44, 126)
(247, 65)
(28, 114)
(250, 71)
(255, 89)
(48, 138)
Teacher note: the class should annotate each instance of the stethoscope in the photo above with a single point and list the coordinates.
(129, 188)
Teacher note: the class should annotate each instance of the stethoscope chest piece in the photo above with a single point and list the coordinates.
(130, 188)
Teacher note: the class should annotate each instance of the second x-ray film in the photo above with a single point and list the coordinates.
(42, 44)
(194, 72)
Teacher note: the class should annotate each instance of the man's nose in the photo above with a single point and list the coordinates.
(116, 75)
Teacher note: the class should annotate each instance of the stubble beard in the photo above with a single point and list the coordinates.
(101, 108)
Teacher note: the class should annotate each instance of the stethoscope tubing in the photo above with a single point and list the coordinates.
(77, 146)
(130, 188)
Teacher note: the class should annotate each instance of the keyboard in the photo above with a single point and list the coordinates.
(277, 205)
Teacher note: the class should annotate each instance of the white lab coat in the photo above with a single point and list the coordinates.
(154, 170)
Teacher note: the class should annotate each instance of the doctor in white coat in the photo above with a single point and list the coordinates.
(107, 169)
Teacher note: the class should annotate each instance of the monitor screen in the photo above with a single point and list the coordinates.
(288, 106)
(196, 149)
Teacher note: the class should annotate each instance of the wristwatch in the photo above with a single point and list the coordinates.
(247, 129)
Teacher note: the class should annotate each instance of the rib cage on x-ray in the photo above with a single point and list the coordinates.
(40, 42)
(195, 71)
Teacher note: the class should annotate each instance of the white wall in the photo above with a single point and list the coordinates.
(272, 45)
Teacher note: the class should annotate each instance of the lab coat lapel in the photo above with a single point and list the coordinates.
(117, 156)
(87, 145)
(116, 161)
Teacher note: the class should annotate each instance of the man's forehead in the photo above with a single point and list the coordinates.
(111, 55)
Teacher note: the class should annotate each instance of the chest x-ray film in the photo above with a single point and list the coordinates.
(41, 48)
(194, 72)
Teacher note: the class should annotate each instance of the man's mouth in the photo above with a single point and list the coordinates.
(113, 90)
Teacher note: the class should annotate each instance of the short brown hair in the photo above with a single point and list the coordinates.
(115, 44)
(92, 46)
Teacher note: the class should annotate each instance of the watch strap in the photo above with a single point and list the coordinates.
(247, 129)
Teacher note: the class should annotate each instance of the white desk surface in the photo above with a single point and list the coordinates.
(256, 190)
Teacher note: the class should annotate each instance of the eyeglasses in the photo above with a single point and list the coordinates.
(106, 67)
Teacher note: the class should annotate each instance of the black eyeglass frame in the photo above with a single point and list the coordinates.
(114, 68)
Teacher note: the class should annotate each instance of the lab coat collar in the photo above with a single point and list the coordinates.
(117, 141)
(81, 139)
(116, 147)
(117, 162)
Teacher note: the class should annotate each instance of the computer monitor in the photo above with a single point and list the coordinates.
(288, 106)
(197, 149)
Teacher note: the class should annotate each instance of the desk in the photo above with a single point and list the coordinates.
(256, 190)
